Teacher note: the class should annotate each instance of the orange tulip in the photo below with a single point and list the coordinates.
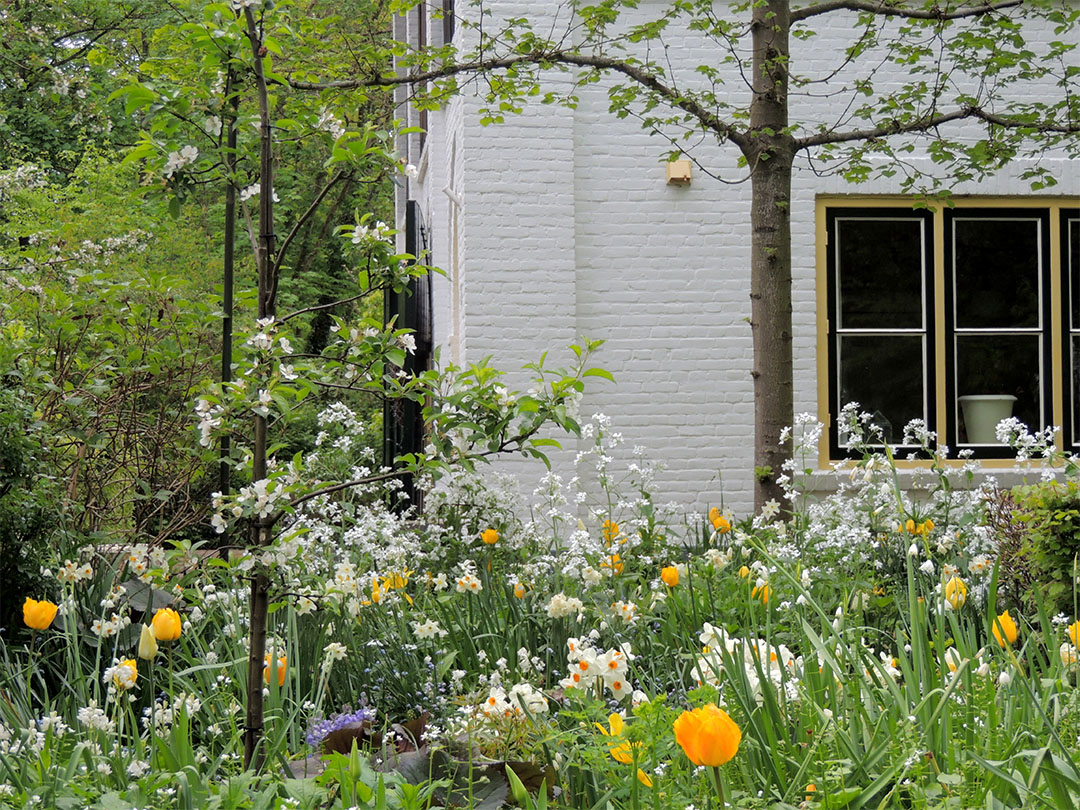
(282, 664)
(489, 536)
(38, 615)
(708, 735)
(670, 575)
(720, 524)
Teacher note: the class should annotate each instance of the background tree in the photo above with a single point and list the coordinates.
(962, 65)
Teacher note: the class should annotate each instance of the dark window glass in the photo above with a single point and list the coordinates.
(884, 374)
(448, 21)
(999, 365)
(996, 262)
(881, 273)
(1072, 256)
(1075, 344)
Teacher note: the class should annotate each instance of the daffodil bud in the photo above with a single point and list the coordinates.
(148, 646)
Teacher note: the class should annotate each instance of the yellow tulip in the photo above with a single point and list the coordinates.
(744, 572)
(38, 615)
(148, 646)
(762, 592)
(1074, 633)
(708, 735)
(167, 625)
(670, 575)
(1005, 624)
(489, 536)
(519, 590)
(644, 778)
(956, 592)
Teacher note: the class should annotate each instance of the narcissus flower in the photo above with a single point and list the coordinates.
(167, 625)
(956, 593)
(489, 536)
(708, 735)
(148, 646)
(1005, 624)
(38, 615)
(282, 663)
(670, 575)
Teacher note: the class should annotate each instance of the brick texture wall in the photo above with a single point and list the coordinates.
(565, 227)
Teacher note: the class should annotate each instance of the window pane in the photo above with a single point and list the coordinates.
(996, 262)
(884, 374)
(994, 365)
(1075, 389)
(1073, 258)
(880, 273)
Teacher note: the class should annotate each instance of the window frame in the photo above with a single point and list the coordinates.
(1071, 394)
(937, 302)
(837, 331)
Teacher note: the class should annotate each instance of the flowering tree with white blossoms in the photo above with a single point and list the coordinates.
(468, 414)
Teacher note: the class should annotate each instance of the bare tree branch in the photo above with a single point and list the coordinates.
(304, 218)
(886, 10)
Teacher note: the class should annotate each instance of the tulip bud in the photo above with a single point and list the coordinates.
(148, 646)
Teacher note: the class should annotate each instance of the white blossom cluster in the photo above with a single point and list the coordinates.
(178, 160)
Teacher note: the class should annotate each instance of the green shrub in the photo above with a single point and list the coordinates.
(1050, 513)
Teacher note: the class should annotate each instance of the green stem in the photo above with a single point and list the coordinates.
(719, 786)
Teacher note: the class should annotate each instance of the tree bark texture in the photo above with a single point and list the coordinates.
(770, 153)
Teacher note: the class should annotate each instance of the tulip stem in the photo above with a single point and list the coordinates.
(719, 787)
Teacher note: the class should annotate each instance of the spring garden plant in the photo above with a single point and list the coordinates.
(592, 648)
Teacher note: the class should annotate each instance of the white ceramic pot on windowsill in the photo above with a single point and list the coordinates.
(982, 412)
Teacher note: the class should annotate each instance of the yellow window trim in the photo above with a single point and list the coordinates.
(826, 201)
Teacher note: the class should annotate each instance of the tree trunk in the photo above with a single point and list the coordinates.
(260, 528)
(770, 154)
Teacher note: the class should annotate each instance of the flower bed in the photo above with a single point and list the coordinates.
(860, 651)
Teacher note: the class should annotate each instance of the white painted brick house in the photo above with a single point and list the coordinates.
(560, 223)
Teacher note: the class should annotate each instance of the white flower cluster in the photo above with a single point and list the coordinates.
(379, 232)
(178, 160)
(107, 628)
(523, 700)
(428, 629)
(590, 667)
(328, 122)
(777, 663)
(95, 718)
(210, 415)
(142, 559)
(253, 191)
(73, 573)
(560, 606)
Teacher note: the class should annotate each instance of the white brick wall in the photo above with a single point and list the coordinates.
(568, 228)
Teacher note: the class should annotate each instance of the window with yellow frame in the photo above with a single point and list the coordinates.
(959, 316)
